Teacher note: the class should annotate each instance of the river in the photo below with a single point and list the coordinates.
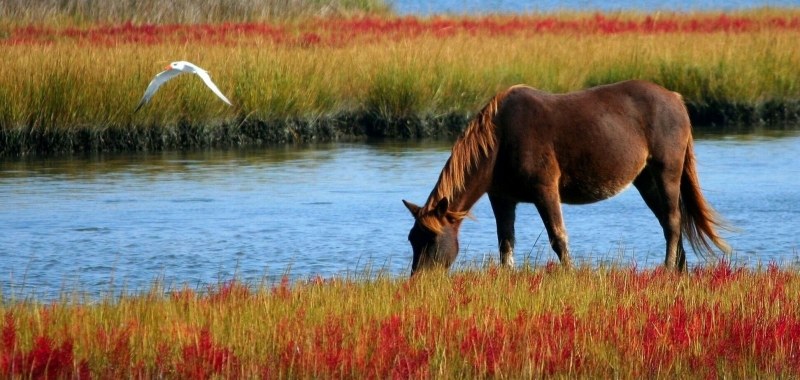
(111, 222)
(458, 7)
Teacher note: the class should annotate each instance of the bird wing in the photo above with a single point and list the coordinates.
(211, 85)
(159, 79)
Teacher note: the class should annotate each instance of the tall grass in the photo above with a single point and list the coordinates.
(353, 73)
(179, 11)
(720, 321)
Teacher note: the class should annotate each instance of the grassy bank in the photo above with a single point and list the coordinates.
(336, 78)
(719, 321)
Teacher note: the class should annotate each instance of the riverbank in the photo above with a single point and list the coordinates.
(716, 321)
(347, 127)
(365, 77)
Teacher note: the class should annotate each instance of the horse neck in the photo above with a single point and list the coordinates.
(463, 188)
(467, 174)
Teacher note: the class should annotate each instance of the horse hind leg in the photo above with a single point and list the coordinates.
(661, 193)
(504, 214)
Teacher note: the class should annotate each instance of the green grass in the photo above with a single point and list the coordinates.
(373, 83)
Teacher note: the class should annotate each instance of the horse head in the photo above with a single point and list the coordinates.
(434, 237)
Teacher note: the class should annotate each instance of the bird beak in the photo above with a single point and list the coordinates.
(168, 67)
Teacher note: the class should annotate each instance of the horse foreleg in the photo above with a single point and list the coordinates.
(504, 214)
(549, 207)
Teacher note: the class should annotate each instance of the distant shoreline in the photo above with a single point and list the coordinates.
(354, 126)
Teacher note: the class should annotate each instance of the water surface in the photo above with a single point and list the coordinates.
(424, 7)
(101, 222)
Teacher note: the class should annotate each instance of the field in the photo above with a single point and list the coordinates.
(73, 85)
(720, 321)
(73, 73)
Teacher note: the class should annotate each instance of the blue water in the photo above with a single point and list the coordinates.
(423, 7)
(111, 222)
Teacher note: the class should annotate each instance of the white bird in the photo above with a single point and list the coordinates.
(174, 69)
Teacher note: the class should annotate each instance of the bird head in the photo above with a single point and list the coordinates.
(184, 66)
(174, 66)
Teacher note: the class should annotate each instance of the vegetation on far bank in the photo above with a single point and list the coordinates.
(78, 12)
(719, 321)
(74, 87)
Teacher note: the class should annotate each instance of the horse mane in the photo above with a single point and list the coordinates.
(476, 142)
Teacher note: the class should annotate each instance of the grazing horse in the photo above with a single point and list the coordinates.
(532, 146)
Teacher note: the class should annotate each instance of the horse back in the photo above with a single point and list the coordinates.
(592, 143)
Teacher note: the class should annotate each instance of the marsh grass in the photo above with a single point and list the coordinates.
(605, 321)
(179, 11)
(373, 83)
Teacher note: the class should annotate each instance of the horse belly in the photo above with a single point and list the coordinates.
(599, 180)
(583, 192)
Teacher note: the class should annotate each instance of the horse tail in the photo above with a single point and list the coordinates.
(699, 221)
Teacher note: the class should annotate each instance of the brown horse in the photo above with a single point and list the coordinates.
(531, 146)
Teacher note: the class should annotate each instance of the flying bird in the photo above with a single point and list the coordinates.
(174, 69)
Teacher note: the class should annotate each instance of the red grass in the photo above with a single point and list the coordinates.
(339, 32)
(207, 359)
(645, 337)
(45, 359)
(228, 292)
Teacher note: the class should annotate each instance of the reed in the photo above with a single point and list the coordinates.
(394, 77)
(622, 322)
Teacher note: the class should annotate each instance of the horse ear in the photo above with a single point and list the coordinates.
(441, 207)
(411, 207)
